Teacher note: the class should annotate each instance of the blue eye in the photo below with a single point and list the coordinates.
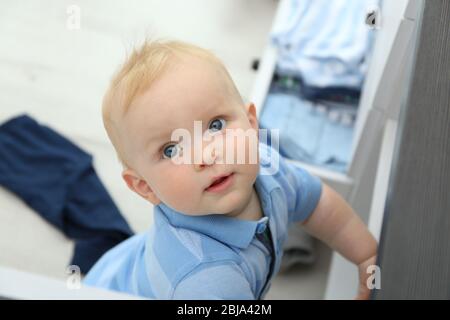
(217, 125)
(170, 151)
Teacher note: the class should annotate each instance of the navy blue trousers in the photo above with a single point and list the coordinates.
(56, 179)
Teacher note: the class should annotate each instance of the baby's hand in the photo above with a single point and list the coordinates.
(364, 291)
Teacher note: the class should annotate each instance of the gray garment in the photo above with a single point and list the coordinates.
(298, 248)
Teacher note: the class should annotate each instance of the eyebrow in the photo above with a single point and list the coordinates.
(155, 138)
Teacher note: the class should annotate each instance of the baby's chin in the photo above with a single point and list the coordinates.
(228, 204)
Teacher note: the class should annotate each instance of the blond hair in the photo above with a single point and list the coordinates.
(137, 74)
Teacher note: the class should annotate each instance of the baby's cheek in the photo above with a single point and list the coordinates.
(177, 190)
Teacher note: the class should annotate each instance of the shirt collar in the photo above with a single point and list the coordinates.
(232, 231)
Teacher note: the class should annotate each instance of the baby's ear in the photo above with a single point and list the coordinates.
(251, 114)
(139, 185)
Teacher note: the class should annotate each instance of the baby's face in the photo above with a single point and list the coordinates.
(190, 91)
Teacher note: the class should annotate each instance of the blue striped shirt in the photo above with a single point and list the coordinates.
(212, 256)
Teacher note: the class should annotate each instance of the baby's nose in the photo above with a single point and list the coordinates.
(205, 160)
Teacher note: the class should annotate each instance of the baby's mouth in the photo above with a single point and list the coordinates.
(220, 183)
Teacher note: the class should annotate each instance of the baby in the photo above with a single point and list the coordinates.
(219, 223)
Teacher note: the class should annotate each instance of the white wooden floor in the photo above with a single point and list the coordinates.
(58, 76)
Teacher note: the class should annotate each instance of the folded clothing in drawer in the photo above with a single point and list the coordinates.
(326, 42)
(317, 133)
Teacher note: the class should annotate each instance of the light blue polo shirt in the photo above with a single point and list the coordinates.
(212, 256)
